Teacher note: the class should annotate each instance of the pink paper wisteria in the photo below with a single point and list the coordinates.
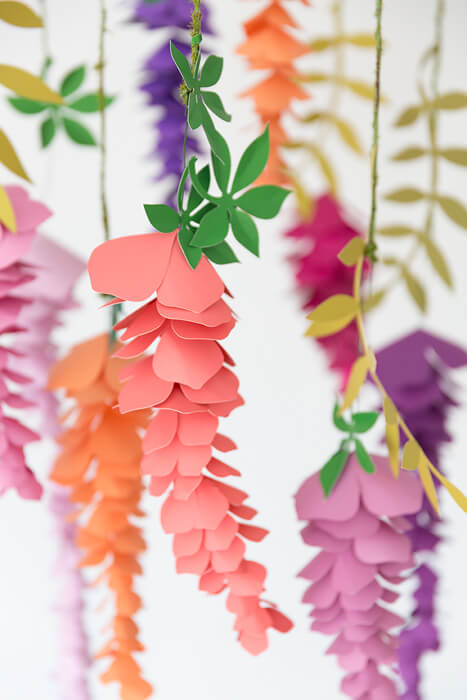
(187, 379)
(360, 529)
(14, 273)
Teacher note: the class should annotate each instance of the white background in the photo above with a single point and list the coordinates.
(284, 431)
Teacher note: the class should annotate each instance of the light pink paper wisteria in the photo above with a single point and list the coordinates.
(360, 529)
(14, 274)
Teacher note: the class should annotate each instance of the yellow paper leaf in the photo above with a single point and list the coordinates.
(395, 231)
(19, 15)
(7, 215)
(454, 155)
(348, 135)
(408, 116)
(393, 444)
(352, 252)
(322, 329)
(415, 289)
(455, 493)
(358, 87)
(428, 484)
(371, 360)
(314, 77)
(325, 166)
(373, 300)
(9, 158)
(452, 100)
(410, 153)
(333, 309)
(411, 456)
(323, 43)
(438, 261)
(27, 85)
(390, 411)
(304, 200)
(356, 380)
(453, 209)
(363, 41)
(405, 195)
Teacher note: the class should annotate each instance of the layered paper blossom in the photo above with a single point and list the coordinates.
(270, 46)
(162, 85)
(415, 371)
(320, 274)
(187, 378)
(14, 273)
(100, 462)
(361, 529)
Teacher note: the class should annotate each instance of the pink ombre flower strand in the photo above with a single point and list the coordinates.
(361, 529)
(14, 274)
(320, 274)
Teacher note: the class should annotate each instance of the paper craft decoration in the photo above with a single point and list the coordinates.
(319, 273)
(74, 661)
(100, 462)
(415, 370)
(15, 272)
(27, 86)
(187, 378)
(162, 86)
(361, 529)
(270, 46)
(63, 116)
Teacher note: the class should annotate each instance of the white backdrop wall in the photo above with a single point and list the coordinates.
(284, 432)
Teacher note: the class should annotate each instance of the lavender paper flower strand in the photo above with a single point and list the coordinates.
(162, 84)
(414, 371)
(55, 274)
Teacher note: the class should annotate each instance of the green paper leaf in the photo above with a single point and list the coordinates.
(197, 184)
(47, 132)
(332, 470)
(183, 66)
(192, 254)
(252, 162)
(202, 212)
(213, 228)
(79, 133)
(72, 81)
(362, 422)
(339, 422)
(364, 458)
(245, 231)
(89, 103)
(25, 106)
(211, 71)
(195, 199)
(195, 111)
(162, 217)
(264, 201)
(221, 254)
(181, 189)
(214, 103)
(454, 209)
(221, 166)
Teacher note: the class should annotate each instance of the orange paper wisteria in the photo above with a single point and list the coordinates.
(100, 461)
(270, 46)
(188, 380)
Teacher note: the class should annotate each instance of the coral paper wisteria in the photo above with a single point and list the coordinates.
(100, 462)
(15, 272)
(187, 378)
(361, 529)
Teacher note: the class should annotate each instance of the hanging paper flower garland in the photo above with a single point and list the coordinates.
(187, 380)
(100, 461)
(319, 274)
(14, 272)
(362, 530)
(415, 370)
(162, 86)
(270, 46)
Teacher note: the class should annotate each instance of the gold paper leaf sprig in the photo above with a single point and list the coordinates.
(429, 108)
(26, 85)
(338, 311)
(337, 82)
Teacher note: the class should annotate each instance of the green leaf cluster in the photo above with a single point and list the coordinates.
(204, 218)
(58, 116)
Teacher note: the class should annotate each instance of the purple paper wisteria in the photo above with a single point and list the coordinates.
(362, 531)
(14, 274)
(415, 371)
(162, 86)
